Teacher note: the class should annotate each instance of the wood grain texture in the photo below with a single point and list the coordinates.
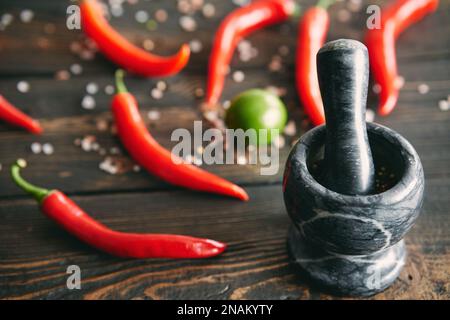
(34, 253)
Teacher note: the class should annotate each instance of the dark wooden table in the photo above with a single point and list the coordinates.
(35, 253)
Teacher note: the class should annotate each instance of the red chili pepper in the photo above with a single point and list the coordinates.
(12, 115)
(124, 53)
(312, 32)
(58, 207)
(237, 25)
(381, 46)
(153, 157)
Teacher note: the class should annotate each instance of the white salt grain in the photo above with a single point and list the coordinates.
(208, 10)
(370, 115)
(76, 69)
(238, 76)
(423, 88)
(6, 19)
(23, 86)
(399, 82)
(279, 142)
(354, 5)
(88, 102)
(47, 148)
(188, 23)
(161, 15)
(195, 45)
(26, 16)
(241, 160)
(87, 55)
(62, 75)
(109, 89)
(92, 88)
(141, 16)
(36, 147)
(290, 129)
(161, 85)
(226, 104)
(444, 105)
(156, 94)
(343, 15)
(153, 115)
(199, 92)
(148, 44)
(117, 10)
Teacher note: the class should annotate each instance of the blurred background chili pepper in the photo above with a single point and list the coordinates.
(312, 32)
(238, 24)
(14, 116)
(395, 18)
(124, 53)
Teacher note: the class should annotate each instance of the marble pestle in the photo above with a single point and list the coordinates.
(343, 71)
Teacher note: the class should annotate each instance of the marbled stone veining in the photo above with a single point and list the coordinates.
(347, 233)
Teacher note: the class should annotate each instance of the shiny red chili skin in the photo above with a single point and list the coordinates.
(14, 116)
(381, 45)
(124, 53)
(59, 208)
(238, 24)
(73, 219)
(147, 152)
(312, 32)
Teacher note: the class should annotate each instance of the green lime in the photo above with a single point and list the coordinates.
(257, 109)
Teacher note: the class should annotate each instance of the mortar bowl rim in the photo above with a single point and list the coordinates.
(412, 173)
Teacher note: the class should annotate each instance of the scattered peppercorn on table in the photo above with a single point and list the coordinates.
(56, 76)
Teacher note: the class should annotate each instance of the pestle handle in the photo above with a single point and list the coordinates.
(343, 72)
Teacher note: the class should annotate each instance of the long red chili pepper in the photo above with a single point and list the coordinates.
(153, 157)
(58, 207)
(237, 25)
(381, 46)
(124, 53)
(12, 115)
(312, 31)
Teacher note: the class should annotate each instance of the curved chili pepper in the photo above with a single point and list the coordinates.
(12, 115)
(381, 46)
(124, 53)
(237, 25)
(153, 157)
(59, 208)
(312, 31)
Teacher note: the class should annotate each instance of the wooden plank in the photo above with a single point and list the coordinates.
(57, 104)
(51, 52)
(35, 253)
(74, 170)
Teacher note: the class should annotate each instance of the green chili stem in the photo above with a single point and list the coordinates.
(324, 3)
(296, 11)
(120, 84)
(38, 193)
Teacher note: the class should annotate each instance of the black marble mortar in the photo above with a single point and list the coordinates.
(352, 243)
(341, 228)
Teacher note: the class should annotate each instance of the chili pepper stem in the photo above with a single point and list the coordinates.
(120, 84)
(37, 192)
(324, 4)
(296, 11)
